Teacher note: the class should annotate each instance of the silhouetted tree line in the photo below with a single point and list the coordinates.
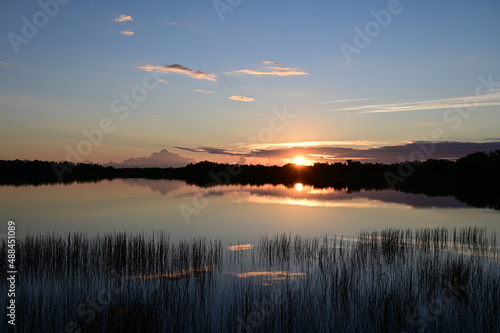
(474, 179)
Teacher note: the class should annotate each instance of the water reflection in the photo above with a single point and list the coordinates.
(299, 195)
(241, 247)
(239, 214)
(362, 203)
(176, 275)
(272, 277)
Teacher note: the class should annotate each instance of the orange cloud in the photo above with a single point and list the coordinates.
(242, 98)
(274, 69)
(127, 32)
(123, 18)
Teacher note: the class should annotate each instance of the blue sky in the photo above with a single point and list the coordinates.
(216, 84)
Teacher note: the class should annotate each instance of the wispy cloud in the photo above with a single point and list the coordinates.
(359, 144)
(273, 69)
(242, 98)
(179, 69)
(172, 23)
(127, 32)
(123, 18)
(4, 63)
(492, 99)
(204, 91)
(212, 150)
(344, 101)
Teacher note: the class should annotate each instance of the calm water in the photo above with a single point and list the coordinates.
(261, 284)
(231, 213)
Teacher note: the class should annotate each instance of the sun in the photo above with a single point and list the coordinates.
(299, 161)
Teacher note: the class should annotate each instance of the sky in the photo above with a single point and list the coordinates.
(165, 83)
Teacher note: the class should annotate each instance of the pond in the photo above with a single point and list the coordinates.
(162, 255)
(234, 213)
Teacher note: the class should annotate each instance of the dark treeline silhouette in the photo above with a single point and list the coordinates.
(474, 179)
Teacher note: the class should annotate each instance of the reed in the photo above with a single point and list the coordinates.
(391, 280)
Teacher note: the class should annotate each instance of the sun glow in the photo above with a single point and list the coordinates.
(301, 161)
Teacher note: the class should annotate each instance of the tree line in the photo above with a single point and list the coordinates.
(474, 179)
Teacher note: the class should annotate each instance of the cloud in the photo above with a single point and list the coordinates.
(375, 154)
(4, 63)
(358, 144)
(123, 18)
(172, 23)
(242, 98)
(491, 99)
(344, 101)
(161, 159)
(213, 151)
(274, 69)
(204, 91)
(179, 69)
(127, 32)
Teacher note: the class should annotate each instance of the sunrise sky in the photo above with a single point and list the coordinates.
(166, 83)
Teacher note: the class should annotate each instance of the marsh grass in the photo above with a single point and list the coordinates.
(392, 280)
